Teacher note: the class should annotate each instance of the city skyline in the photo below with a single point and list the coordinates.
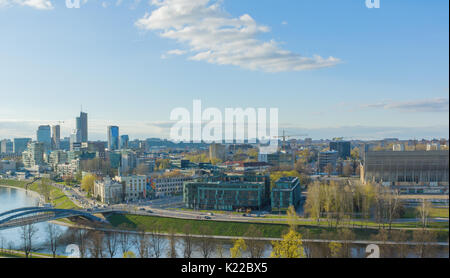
(374, 79)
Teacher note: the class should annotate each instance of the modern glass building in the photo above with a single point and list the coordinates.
(20, 144)
(43, 135)
(82, 126)
(228, 193)
(124, 139)
(113, 138)
(285, 193)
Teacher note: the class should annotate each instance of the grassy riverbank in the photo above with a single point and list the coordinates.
(57, 198)
(236, 229)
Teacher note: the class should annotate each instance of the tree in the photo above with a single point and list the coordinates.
(423, 238)
(129, 255)
(172, 253)
(292, 218)
(290, 246)
(206, 244)
(27, 234)
(238, 248)
(424, 211)
(157, 242)
(112, 240)
(96, 244)
(347, 170)
(45, 189)
(392, 205)
(313, 205)
(355, 154)
(400, 236)
(329, 169)
(335, 249)
(188, 241)
(347, 236)
(87, 183)
(254, 245)
(54, 234)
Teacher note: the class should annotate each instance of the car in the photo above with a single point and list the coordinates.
(143, 209)
(207, 217)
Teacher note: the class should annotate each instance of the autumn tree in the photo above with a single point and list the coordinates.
(238, 248)
(290, 246)
(87, 183)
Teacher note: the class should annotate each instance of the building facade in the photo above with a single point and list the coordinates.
(113, 138)
(108, 191)
(285, 193)
(411, 171)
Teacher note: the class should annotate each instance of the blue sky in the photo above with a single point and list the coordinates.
(381, 72)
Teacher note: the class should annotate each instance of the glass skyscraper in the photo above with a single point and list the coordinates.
(82, 126)
(43, 135)
(113, 138)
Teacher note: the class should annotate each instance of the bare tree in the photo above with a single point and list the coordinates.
(81, 238)
(172, 253)
(112, 241)
(188, 241)
(157, 243)
(141, 243)
(423, 238)
(392, 205)
(424, 212)
(254, 244)
(27, 234)
(206, 243)
(54, 234)
(124, 242)
(96, 244)
(400, 236)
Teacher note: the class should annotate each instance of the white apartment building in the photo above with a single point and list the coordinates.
(108, 191)
(135, 187)
(165, 186)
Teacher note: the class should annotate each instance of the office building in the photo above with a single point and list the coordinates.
(20, 145)
(43, 135)
(342, 147)
(411, 171)
(228, 193)
(56, 137)
(6, 146)
(113, 138)
(327, 158)
(33, 155)
(124, 139)
(82, 127)
(285, 193)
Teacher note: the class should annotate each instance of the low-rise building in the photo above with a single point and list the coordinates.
(168, 185)
(228, 193)
(135, 187)
(108, 191)
(285, 193)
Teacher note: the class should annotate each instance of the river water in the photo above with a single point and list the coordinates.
(11, 198)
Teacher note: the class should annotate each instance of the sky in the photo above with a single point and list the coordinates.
(332, 68)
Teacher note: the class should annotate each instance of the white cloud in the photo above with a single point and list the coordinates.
(214, 36)
(36, 4)
(425, 105)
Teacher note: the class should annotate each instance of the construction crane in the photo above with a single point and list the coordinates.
(284, 136)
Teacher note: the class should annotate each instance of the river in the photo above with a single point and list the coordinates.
(11, 198)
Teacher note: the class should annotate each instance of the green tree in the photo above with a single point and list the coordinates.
(87, 183)
(291, 246)
(238, 248)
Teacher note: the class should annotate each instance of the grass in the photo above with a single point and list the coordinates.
(235, 229)
(58, 198)
(410, 212)
(6, 253)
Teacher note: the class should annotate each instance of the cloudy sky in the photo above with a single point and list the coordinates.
(332, 68)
